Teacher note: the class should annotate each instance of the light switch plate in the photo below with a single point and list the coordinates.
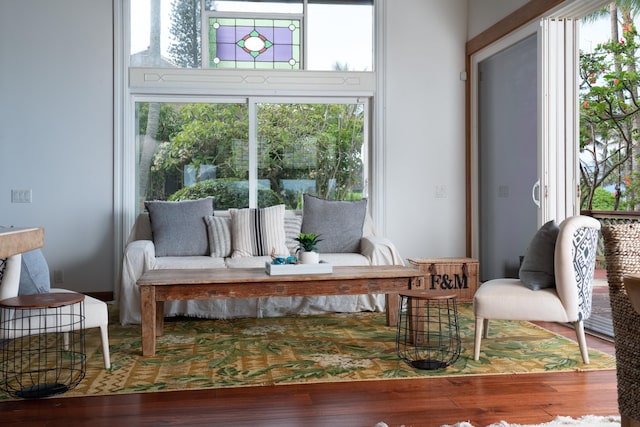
(20, 196)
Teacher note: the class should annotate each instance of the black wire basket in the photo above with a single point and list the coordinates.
(428, 335)
(42, 344)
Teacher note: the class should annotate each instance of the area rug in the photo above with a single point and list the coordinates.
(202, 353)
(585, 421)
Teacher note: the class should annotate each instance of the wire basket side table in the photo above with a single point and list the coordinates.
(42, 344)
(428, 335)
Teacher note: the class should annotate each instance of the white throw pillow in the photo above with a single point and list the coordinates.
(258, 232)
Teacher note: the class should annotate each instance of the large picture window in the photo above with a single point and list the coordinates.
(200, 149)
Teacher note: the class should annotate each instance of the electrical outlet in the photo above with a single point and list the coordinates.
(441, 191)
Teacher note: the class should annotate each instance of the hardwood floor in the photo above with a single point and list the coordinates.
(523, 398)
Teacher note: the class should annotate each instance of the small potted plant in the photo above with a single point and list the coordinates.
(308, 248)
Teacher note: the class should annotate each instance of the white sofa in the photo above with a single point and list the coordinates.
(140, 256)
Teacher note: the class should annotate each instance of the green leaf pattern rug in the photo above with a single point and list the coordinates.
(204, 353)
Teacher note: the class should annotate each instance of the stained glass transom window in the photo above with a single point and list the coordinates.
(254, 43)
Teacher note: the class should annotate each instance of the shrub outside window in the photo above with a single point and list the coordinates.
(205, 149)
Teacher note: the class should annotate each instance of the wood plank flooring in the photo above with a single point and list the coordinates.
(523, 398)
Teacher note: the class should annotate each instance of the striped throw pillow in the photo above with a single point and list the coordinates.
(219, 231)
(258, 232)
(292, 226)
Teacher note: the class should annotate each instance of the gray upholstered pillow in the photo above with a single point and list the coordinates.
(34, 274)
(537, 270)
(339, 223)
(219, 229)
(179, 228)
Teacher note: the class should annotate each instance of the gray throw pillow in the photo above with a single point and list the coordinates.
(34, 274)
(339, 223)
(537, 270)
(179, 228)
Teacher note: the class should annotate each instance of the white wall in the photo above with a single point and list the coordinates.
(425, 132)
(56, 132)
(484, 13)
(56, 127)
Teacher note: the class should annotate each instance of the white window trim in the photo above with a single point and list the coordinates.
(171, 81)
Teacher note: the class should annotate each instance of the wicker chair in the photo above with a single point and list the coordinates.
(622, 255)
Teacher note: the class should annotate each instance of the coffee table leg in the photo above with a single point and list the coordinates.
(159, 318)
(148, 311)
(392, 309)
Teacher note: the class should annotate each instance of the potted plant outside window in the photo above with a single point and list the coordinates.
(308, 248)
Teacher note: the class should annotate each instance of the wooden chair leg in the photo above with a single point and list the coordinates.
(480, 325)
(582, 341)
(105, 346)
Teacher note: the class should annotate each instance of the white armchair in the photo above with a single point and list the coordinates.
(568, 301)
(96, 314)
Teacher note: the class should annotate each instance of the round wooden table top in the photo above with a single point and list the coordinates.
(419, 294)
(48, 300)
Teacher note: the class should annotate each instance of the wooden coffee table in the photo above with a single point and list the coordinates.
(157, 286)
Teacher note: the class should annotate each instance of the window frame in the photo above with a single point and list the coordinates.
(206, 15)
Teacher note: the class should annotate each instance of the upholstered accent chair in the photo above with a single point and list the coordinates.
(96, 314)
(568, 301)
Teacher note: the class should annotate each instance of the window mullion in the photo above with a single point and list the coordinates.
(253, 153)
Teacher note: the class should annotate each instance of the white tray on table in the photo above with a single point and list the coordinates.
(286, 269)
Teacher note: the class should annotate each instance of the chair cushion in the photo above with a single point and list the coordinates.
(537, 270)
(510, 299)
(179, 228)
(258, 232)
(338, 222)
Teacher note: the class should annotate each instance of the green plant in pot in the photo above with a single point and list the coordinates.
(308, 248)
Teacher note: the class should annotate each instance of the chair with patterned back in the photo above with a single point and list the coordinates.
(568, 301)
